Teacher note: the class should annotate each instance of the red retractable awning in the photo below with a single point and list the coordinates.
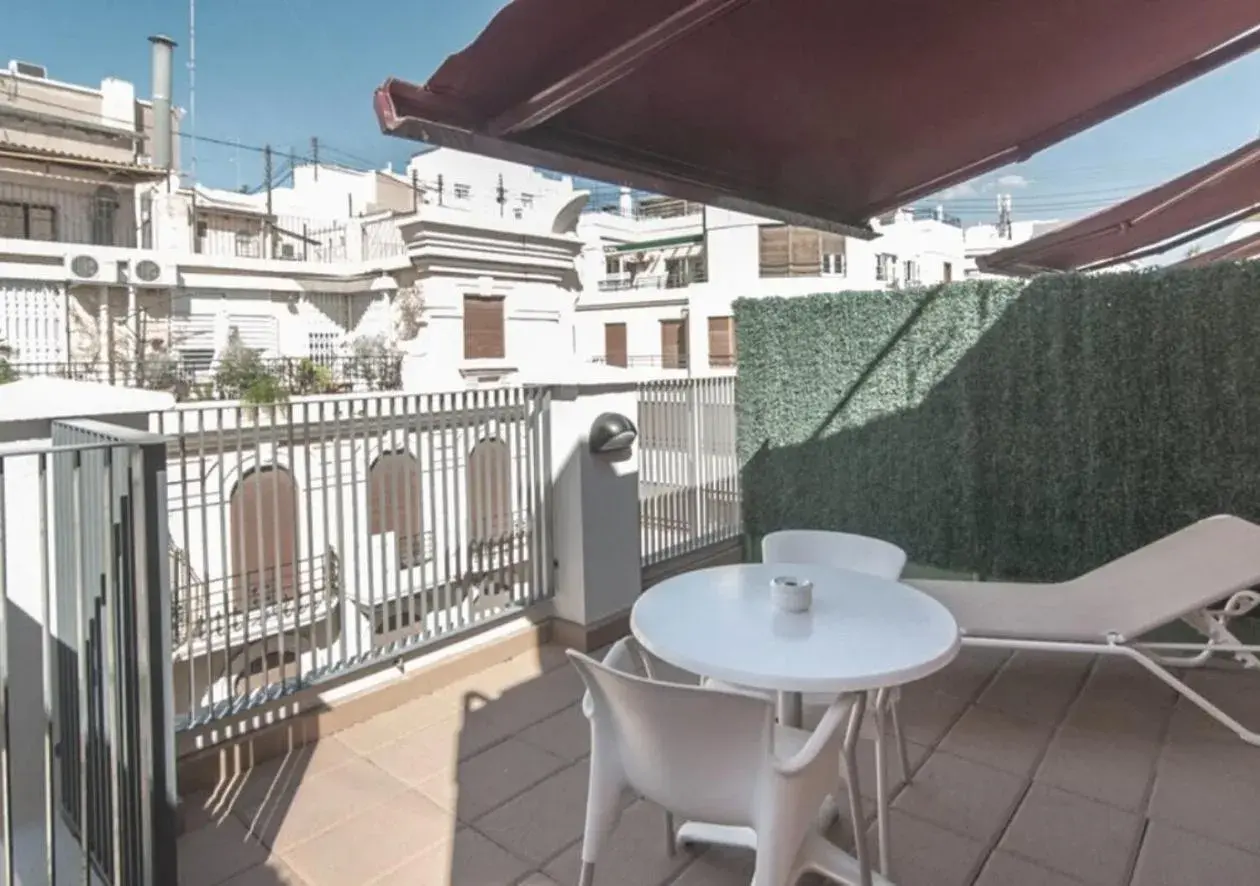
(1244, 247)
(1214, 196)
(820, 112)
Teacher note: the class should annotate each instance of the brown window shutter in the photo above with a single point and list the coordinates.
(674, 344)
(804, 253)
(721, 342)
(831, 244)
(615, 344)
(949, 272)
(483, 327)
(773, 250)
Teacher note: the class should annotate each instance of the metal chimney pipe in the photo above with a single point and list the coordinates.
(163, 148)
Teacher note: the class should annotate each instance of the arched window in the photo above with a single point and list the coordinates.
(489, 491)
(264, 519)
(395, 504)
(105, 205)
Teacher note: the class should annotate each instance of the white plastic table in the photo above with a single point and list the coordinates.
(861, 634)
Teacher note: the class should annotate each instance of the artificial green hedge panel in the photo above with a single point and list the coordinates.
(1016, 430)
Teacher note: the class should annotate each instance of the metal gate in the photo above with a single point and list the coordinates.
(111, 792)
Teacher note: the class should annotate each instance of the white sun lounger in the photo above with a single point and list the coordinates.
(1108, 611)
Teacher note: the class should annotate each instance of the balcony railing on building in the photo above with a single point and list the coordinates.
(313, 539)
(196, 378)
(673, 278)
(100, 215)
(282, 237)
(382, 239)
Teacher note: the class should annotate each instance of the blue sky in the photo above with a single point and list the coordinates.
(282, 71)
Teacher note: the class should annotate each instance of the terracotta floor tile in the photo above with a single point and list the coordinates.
(371, 844)
(1113, 712)
(272, 872)
(925, 854)
(1033, 686)
(968, 673)
(539, 823)
(999, 740)
(1004, 869)
(566, 734)
(1073, 835)
(961, 796)
(390, 726)
(866, 764)
(299, 809)
(1110, 768)
(536, 700)
(487, 780)
(926, 715)
(469, 859)
(711, 869)
(1237, 693)
(1173, 857)
(635, 854)
(212, 854)
(1210, 789)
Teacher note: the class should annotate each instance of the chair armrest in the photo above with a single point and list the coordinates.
(824, 734)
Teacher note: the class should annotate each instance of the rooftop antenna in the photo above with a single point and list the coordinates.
(192, 88)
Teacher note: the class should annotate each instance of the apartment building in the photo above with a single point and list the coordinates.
(111, 260)
(660, 275)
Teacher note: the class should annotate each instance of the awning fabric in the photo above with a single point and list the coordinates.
(823, 113)
(646, 245)
(1243, 248)
(1215, 195)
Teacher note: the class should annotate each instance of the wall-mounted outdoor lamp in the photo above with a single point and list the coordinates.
(612, 434)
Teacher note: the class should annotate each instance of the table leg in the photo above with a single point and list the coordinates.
(855, 789)
(791, 709)
(881, 778)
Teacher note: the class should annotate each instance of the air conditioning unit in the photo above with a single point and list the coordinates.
(85, 268)
(28, 69)
(148, 273)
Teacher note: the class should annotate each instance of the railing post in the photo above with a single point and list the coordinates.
(149, 534)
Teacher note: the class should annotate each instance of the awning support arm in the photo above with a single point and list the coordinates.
(610, 67)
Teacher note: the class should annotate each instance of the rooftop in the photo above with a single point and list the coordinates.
(1027, 770)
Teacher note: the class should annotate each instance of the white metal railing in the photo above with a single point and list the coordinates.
(689, 495)
(311, 537)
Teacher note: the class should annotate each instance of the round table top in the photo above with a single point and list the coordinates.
(861, 632)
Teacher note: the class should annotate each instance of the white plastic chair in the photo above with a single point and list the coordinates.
(870, 556)
(712, 756)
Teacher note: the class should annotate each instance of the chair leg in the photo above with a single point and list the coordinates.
(903, 752)
(671, 835)
(587, 877)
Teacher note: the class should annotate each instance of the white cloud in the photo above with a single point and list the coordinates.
(1013, 181)
(966, 189)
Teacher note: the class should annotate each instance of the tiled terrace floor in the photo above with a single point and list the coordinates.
(1030, 771)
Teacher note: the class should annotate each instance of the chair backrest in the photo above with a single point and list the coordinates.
(701, 753)
(841, 550)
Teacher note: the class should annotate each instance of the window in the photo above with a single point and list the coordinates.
(615, 344)
(834, 264)
(612, 265)
(886, 268)
(721, 342)
(202, 233)
(395, 504)
(674, 344)
(948, 272)
(527, 201)
(246, 245)
(27, 221)
(910, 272)
(788, 251)
(463, 192)
(104, 216)
(483, 327)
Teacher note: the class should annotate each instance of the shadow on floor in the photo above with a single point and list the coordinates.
(1027, 769)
